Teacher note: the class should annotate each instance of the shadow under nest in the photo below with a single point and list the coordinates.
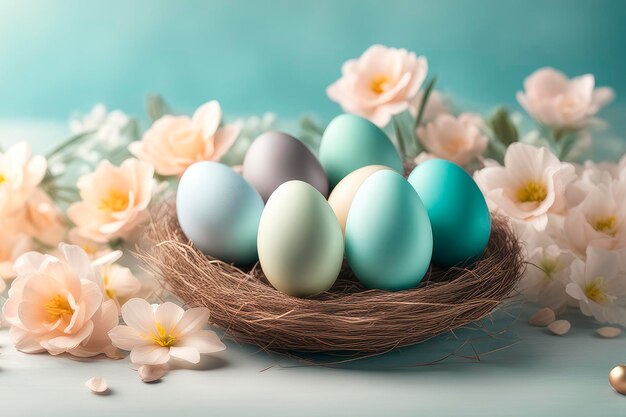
(348, 318)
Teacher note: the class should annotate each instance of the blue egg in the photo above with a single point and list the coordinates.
(351, 142)
(457, 209)
(388, 237)
(219, 212)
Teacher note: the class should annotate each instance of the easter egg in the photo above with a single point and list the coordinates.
(275, 158)
(300, 243)
(351, 142)
(219, 212)
(457, 209)
(341, 197)
(388, 236)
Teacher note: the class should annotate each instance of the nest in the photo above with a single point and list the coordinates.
(348, 318)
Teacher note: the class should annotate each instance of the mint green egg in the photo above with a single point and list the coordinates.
(388, 237)
(457, 209)
(351, 142)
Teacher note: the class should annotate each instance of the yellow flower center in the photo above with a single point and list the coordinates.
(108, 291)
(379, 84)
(114, 201)
(57, 307)
(163, 338)
(532, 191)
(2, 178)
(595, 292)
(549, 267)
(606, 225)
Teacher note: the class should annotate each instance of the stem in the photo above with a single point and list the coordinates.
(71, 141)
(399, 138)
(429, 88)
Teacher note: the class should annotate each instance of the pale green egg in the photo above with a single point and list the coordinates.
(388, 236)
(351, 142)
(300, 243)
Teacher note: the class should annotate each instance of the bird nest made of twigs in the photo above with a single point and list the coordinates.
(348, 317)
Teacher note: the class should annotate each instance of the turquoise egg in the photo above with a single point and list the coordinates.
(389, 241)
(351, 142)
(219, 212)
(300, 241)
(457, 209)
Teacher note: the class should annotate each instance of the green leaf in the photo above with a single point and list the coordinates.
(429, 88)
(568, 142)
(503, 127)
(156, 107)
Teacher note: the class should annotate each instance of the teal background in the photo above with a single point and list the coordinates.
(257, 56)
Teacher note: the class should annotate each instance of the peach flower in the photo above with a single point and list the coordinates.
(154, 335)
(55, 305)
(20, 173)
(530, 186)
(457, 139)
(119, 283)
(175, 142)
(113, 200)
(13, 244)
(382, 82)
(43, 219)
(560, 103)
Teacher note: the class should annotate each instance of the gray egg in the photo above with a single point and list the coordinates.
(275, 158)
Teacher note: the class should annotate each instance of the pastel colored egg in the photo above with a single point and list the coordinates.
(300, 243)
(341, 197)
(388, 236)
(457, 209)
(351, 142)
(219, 212)
(275, 158)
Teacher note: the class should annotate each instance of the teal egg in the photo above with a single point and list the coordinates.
(457, 209)
(388, 237)
(300, 242)
(219, 212)
(351, 142)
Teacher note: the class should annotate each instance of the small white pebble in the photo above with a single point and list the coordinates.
(559, 327)
(97, 384)
(151, 373)
(542, 317)
(609, 332)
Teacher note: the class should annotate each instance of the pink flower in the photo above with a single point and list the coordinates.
(175, 142)
(55, 305)
(379, 84)
(456, 139)
(113, 200)
(20, 173)
(529, 186)
(153, 336)
(560, 103)
(436, 105)
(13, 244)
(43, 220)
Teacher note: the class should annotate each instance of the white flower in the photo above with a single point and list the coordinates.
(600, 219)
(154, 335)
(599, 285)
(548, 270)
(457, 139)
(529, 186)
(108, 127)
(119, 283)
(560, 103)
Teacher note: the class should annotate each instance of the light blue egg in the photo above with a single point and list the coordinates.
(457, 209)
(219, 212)
(351, 142)
(388, 237)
